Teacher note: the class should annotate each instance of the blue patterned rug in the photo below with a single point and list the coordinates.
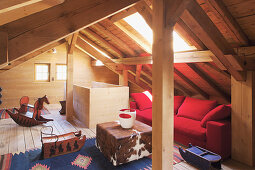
(89, 157)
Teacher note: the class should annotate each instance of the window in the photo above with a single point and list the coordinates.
(139, 24)
(42, 72)
(61, 72)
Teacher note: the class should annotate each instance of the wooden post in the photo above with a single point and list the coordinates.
(69, 80)
(243, 119)
(162, 87)
(3, 48)
(123, 78)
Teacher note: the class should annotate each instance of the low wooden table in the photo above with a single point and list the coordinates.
(124, 145)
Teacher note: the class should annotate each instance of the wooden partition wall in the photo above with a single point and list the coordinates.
(99, 103)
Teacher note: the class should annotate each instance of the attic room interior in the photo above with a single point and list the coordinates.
(103, 84)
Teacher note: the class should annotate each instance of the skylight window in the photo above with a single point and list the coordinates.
(139, 24)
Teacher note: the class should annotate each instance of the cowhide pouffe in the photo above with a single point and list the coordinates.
(124, 145)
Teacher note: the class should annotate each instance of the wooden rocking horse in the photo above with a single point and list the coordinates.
(37, 119)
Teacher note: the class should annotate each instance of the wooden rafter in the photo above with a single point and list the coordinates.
(182, 88)
(146, 12)
(134, 35)
(122, 14)
(138, 72)
(118, 54)
(190, 83)
(121, 44)
(187, 34)
(179, 57)
(95, 45)
(209, 81)
(200, 23)
(8, 5)
(70, 74)
(32, 55)
(25, 35)
(221, 12)
(3, 48)
(215, 68)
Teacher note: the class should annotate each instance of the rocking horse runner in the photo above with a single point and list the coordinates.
(37, 119)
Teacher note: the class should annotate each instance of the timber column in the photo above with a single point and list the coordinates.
(243, 119)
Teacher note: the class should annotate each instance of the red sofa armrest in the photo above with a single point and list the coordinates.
(133, 105)
(218, 137)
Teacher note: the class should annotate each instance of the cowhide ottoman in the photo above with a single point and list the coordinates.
(123, 145)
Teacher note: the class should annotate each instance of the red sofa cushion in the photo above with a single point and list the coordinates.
(144, 116)
(178, 100)
(219, 113)
(189, 128)
(195, 108)
(142, 100)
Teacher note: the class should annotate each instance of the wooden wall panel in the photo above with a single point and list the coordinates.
(19, 81)
(243, 120)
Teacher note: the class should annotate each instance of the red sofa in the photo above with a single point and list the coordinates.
(199, 122)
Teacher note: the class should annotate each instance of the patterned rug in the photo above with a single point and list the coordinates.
(89, 157)
(5, 115)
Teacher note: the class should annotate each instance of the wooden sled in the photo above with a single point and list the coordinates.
(23, 120)
(55, 145)
(201, 158)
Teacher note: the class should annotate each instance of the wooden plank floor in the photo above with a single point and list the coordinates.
(16, 139)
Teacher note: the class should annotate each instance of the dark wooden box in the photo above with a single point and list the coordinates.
(124, 145)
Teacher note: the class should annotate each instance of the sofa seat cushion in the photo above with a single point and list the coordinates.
(144, 116)
(178, 100)
(195, 108)
(143, 100)
(189, 128)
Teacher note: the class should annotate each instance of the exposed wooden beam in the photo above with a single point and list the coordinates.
(163, 83)
(121, 44)
(138, 72)
(85, 38)
(182, 88)
(32, 55)
(8, 5)
(122, 14)
(221, 12)
(187, 34)
(204, 28)
(134, 35)
(3, 48)
(69, 80)
(123, 78)
(118, 53)
(66, 18)
(24, 11)
(189, 82)
(180, 57)
(145, 11)
(215, 68)
(210, 81)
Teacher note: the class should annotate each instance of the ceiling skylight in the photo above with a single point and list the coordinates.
(139, 24)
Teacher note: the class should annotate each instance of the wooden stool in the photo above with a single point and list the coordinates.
(124, 145)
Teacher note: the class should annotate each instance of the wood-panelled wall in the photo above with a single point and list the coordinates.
(243, 119)
(19, 81)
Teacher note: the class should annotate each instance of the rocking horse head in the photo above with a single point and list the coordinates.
(41, 101)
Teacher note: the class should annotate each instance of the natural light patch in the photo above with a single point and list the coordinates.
(139, 24)
(148, 94)
(99, 50)
(99, 63)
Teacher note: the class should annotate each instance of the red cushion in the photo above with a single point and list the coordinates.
(143, 102)
(144, 116)
(189, 128)
(195, 108)
(178, 100)
(219, 113)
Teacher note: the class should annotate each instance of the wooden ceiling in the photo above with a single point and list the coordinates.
(222, 31)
